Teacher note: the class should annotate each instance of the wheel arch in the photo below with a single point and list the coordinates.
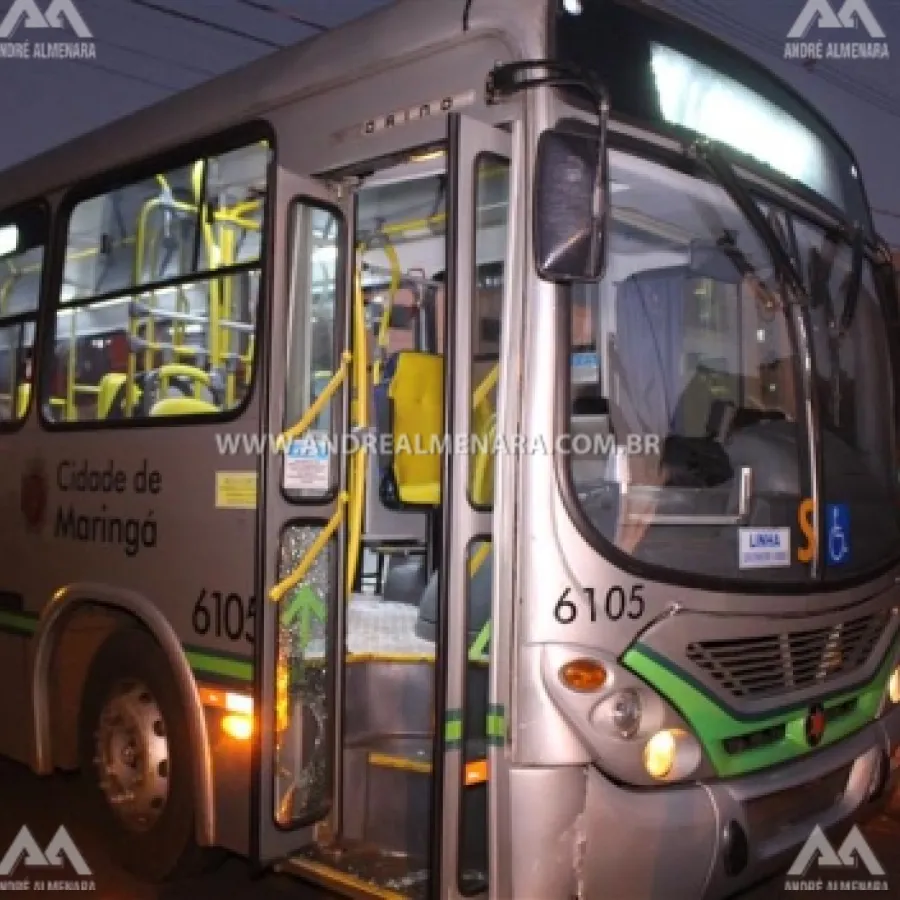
(64, 604)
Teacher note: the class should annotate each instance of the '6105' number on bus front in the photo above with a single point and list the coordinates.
(616, 605)
(224, 615)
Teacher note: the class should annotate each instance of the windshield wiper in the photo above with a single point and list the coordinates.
(854, 285)
(721, 169)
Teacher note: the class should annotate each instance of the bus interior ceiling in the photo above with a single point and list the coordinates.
(391, 617)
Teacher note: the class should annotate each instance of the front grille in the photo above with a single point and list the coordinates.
(775, 664)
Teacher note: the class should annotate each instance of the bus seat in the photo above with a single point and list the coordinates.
(106, 392)
(182, 406)
(23, 395)
(415, 390)
(479, 600)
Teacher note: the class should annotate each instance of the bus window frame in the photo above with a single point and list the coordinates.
(223, 142)
(37, 316)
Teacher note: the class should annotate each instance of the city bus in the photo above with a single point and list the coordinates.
(456, 457)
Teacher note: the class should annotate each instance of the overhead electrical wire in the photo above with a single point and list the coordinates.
(205, 23)
(280, 11)
(705, 14)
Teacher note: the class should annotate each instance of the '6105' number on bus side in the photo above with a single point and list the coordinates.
(224, 615)
(616, 605)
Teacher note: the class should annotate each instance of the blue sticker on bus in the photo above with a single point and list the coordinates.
(585, 367)
(837, 522)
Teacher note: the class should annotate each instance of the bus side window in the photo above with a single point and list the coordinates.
(23, 238)
(136, 335)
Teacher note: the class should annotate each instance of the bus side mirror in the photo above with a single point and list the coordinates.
(571, 205)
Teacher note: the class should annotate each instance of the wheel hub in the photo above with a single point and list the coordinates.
(132, 755)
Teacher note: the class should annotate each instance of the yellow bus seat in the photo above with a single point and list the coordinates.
(111, 396)
(416, 392)
(182, 406)
(23, 395)
(106, 392)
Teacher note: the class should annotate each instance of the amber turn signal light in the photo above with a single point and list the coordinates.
(583, 675)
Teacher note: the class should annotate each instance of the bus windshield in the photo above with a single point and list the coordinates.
(706, 465)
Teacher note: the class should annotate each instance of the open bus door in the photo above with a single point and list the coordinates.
(302, 507)
(464, 819)
(308, 794)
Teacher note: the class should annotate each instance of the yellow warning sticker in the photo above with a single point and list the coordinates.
(236, 490)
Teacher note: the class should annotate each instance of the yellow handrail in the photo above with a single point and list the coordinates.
(486, 386)
(359, 415)
(279, 590)
(318, 404)
(385, 324)
(478, 558)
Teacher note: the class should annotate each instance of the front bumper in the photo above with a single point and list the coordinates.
(684, 843)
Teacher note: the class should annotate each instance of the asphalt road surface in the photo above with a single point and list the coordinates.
(45, 804)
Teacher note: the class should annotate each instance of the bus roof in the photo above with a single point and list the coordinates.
(347, 53)
(344, 54)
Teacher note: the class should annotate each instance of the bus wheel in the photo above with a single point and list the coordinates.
(135, 754)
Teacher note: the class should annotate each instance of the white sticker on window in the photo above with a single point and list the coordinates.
(764, 548)
(306, 464)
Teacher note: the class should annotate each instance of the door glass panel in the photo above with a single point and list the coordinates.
(473, 851)
(310, 468)
(303, 770)
(492, 193)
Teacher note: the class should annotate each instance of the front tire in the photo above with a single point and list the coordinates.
(135, 753)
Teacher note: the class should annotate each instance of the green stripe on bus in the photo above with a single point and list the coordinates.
(206, 662)
(713, 724)
(214, 664)
(495, 725)
(18, 623)
(453, 729)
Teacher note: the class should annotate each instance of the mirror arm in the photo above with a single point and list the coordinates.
(508, 79)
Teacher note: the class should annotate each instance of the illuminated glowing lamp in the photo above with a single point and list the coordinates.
(9, 239)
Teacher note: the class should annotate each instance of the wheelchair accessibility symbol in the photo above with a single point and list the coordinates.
(837, 520)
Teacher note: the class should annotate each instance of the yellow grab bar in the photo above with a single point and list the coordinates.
(360, 415)
(174, 370)
(277, 593)
(486, 386)
(318, 404)
(478, 558)
(385, 324)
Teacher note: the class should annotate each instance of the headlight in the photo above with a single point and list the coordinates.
(659, 754)
(671, 754)
(894, 686)
(625, 712)
(629, 730)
